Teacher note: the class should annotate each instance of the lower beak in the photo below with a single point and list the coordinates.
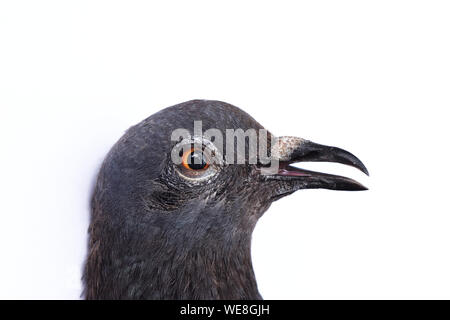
(290, 150)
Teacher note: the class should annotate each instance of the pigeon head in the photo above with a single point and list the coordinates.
(178, 196)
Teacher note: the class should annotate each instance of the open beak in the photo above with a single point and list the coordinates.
(290, 150)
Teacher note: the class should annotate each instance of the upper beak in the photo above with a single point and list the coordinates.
(289, 150)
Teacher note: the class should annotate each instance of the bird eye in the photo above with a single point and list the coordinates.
(194, 160)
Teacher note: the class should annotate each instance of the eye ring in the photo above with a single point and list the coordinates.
(188, 160)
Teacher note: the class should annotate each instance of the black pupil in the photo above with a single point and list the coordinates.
(196, 161)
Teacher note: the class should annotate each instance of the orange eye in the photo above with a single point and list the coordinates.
(194, 160)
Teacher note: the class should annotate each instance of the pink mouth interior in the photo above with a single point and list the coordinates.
(292, 171)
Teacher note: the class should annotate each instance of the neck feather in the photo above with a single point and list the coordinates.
(156, 264)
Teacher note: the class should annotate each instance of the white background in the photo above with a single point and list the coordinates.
(372, 77)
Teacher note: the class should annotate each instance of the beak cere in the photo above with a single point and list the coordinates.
(288, 150)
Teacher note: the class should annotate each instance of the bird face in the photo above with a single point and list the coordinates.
(199, 169)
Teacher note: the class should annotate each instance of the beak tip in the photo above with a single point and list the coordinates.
(358, 187)
(361, 188)
(364, 169)
(358, 164)
(352, 185)
(366, 172)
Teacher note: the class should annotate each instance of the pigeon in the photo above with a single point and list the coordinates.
(172, 218)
